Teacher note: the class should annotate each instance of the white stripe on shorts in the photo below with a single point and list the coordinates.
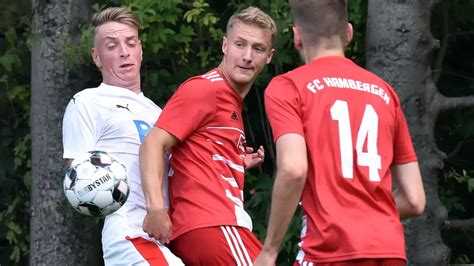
(236, 246)
(237, 259)
(241, 244)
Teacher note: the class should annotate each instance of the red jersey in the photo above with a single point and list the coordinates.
(354, 130)
(206, 179)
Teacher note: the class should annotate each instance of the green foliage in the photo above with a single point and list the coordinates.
(358, 18)
(453, 181)
(452, 24)
(78, 54)
(15, 164)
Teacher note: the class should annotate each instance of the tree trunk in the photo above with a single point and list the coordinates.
(58, 236)
(399, 48)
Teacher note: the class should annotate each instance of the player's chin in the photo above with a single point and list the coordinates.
(244, 79)
(129, 74)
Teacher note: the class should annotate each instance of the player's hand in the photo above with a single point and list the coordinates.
(264, 259)
(254, 159)
(157, 224)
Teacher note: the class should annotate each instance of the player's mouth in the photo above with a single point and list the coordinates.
(126, 66)
(245, 68)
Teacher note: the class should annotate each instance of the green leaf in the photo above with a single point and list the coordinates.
(11, 237)
(470, 184)
(13, 205)
(14, 227)
(183, 39)
(15, 256)
(186, 31)
(18, 92)
(7, 61)
(11, 36)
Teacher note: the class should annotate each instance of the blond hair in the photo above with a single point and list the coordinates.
(255, 16)
(114, 14)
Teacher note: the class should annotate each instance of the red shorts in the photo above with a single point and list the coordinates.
(219, 245)
(357, 262)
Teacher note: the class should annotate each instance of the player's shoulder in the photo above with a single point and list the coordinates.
(84, 102)
(204, 83)
(96, 98)
(87, 94)
(382, 83)
(296, 75)
(291, 78)
(371, 76)
(208, 79)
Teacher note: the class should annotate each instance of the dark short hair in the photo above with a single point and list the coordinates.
(320, 18)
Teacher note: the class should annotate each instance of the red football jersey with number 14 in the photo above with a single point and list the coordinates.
(206, 179)
(354, 130)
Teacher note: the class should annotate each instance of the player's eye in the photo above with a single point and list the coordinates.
(239, 45)
(259, 49)
(111, 46)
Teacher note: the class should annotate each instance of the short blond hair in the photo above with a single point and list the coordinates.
(114, 14)
(255, 16)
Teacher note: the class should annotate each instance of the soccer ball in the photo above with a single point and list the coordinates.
(96, 184)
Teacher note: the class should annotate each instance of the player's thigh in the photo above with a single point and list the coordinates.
(138, 251)
(357, 262)
(220, 245)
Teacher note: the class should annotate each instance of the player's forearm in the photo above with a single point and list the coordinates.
(285, 197)
(151, 171)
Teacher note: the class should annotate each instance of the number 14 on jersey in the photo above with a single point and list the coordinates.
(368, 130)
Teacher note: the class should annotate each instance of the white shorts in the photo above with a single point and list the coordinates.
(138, 251)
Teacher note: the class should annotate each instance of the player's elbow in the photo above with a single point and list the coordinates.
(417, 204)
(294, 172)
(414, 204)
(411, 193)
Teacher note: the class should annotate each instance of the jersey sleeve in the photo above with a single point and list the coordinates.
(190, 107)
(282, 103)
(79, 129)
(403, 151)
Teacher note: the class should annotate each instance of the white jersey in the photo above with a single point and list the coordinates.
(114, 120)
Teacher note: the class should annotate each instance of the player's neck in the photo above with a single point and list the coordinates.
(241, 90)
(331, 46)
(314, 54)
(134, 87)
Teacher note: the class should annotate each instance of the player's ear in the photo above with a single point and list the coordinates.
(224, 44)
(350, 33)
(270, 55)
(141, 50)
(297, 42)
(96, 57)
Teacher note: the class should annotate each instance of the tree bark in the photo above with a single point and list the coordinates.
(58, 236)
(399, 48)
